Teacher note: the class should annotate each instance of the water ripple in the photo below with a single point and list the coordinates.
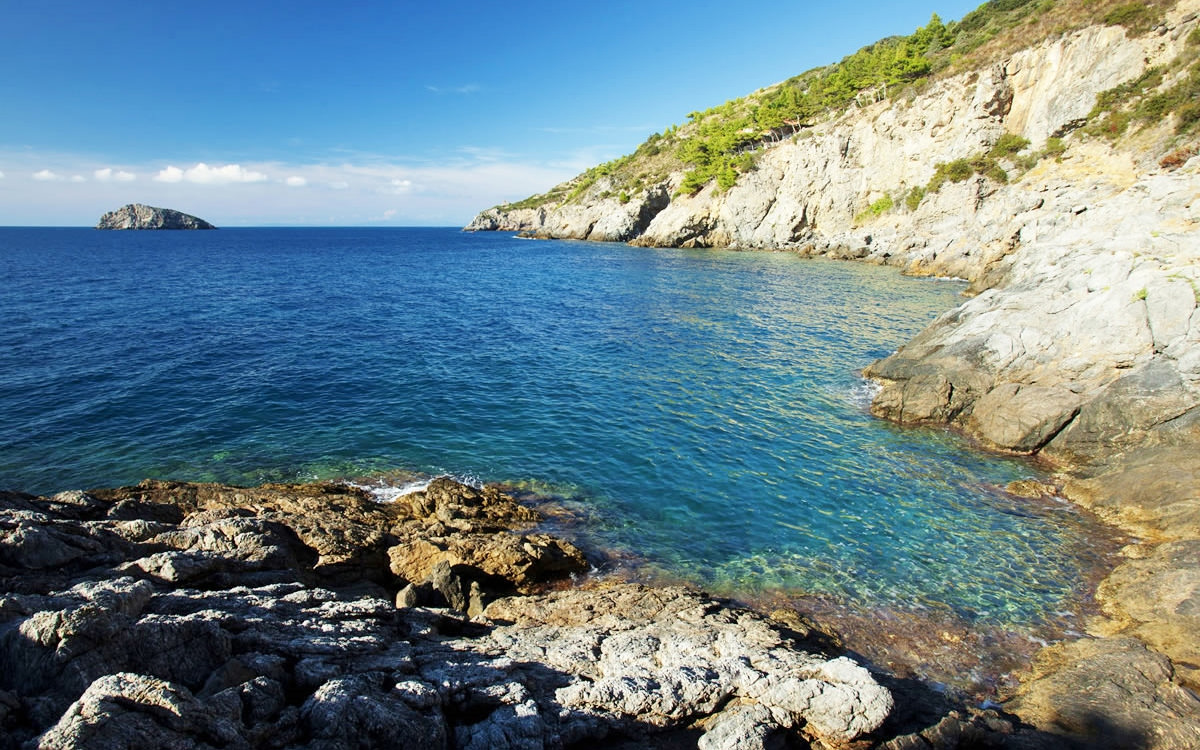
(704, 407)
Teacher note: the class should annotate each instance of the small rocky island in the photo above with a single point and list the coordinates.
(139, 216)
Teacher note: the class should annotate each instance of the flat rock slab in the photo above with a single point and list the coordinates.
(1109, 693)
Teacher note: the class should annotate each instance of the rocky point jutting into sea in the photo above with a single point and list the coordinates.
(1080, 342)
(207, 616)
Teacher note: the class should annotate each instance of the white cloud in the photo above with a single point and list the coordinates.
(77, 178)
(351, 192)
(108, 175)
(170, 174)
(475, 153)
(1, 175)
(296, 181)
(597, 129)
(203, 174)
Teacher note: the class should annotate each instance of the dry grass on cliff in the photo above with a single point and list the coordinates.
(1052, 19)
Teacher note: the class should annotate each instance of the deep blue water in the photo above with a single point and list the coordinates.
(703, 409)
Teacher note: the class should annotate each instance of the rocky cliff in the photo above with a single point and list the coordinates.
(138, 216)
(1080, 234)
(1090, 250)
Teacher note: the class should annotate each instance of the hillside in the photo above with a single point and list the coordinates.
(722, 147)
(1046, 152)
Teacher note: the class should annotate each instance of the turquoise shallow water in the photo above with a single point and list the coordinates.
(700, 409)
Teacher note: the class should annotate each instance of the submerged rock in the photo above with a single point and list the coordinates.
(138, 216)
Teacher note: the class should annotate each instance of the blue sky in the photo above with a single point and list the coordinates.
(373, 113)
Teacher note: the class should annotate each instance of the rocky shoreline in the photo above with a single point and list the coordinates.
(171, 615)
(1080, 342)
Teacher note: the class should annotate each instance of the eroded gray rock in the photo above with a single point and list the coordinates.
(175, 641)
(139, 216)
(359, 711)
(660, 656)
(125, 710)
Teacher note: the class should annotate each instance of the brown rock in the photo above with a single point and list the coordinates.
(1158, 600)
(1124, 413)
(1154, 492)
(522, 560)
(1022, 418)
(1109, 693)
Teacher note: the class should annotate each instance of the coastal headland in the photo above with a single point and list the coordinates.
(1060, 179)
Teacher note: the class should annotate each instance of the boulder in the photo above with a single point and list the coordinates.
(657, 657)
(1022, 418)
(361, 711)
(126, 711)
(1153, 492)
(522, 560)
(1124, 413)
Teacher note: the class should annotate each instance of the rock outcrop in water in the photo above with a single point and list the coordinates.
(1080, 343)
(172, 615)
(138, 216)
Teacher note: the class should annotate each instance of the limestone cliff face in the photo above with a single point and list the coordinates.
(138, 216)
(1086, 266)
(809, 192)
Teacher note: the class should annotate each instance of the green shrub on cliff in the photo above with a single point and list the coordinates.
(1008, 144)
(1006, 147)
(1054, 148)
(914, 197)
(1138, 18)
(541, 199)
(958, 170)
(1149, 100)
(876, 209)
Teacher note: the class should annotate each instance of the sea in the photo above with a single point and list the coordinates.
(697, 415)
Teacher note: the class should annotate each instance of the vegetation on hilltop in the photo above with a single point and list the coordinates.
(720, 144)
(1162, 92)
